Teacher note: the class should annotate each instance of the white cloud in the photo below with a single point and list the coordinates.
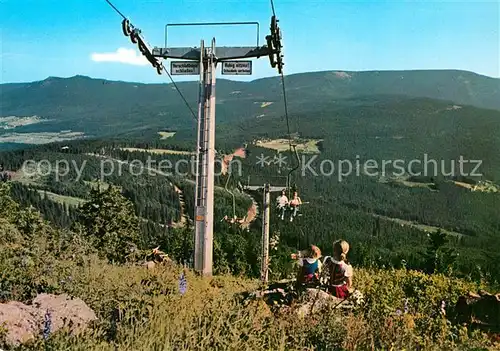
(122, 55)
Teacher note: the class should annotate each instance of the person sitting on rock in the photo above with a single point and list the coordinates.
(310, 264)
(340, 273)
(281, 203)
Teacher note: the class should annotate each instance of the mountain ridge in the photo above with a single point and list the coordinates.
(416, 70)
(103, 108)
(461, 87)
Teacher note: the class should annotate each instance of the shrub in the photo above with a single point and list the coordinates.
(110, 224)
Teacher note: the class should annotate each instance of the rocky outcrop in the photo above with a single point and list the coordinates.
(47, 314)
(21, 322)
(315, 300)
(304, 302)
(480, 310)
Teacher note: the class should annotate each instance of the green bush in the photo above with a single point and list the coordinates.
(109, 222)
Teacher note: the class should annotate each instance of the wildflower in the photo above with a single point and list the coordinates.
(47, 324)
(182, 284)
(398, 312)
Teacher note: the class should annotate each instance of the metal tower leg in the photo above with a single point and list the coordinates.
(206, 163)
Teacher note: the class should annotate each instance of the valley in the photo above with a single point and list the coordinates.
(421, 227)
(302, 146)
(159, 151)
(13, 122)
(39, 138)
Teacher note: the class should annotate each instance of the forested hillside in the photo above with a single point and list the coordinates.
(348, 209)
(354, 117)
(100, 261)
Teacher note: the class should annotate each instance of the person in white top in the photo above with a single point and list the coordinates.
(281, 203)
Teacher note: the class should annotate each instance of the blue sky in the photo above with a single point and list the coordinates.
(41, 38)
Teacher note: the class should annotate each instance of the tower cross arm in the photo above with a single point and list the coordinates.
(260, 188)
(233, 53)
(177, 53)
(223, 53)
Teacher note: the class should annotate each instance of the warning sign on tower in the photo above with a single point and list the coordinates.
(179, 68)
(237, 67)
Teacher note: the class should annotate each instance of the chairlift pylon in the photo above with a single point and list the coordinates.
(232, 194)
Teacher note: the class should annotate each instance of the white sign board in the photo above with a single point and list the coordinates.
(186, 68)
(237, 67)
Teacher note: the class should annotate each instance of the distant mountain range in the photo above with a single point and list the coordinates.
(99, 107)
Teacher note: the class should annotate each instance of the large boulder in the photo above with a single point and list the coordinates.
(479, 310)
(47, 314)
(315, 300)
(20, 321)
(305, 301)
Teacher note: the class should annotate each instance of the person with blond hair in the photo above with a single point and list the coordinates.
(340, 273)
(310, 263)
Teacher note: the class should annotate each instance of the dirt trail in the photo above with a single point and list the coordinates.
(182, 208)
(419, 226)
(252, 212)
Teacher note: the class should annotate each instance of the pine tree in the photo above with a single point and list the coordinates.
(7, 206)
(110, 222)
(439, 257)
